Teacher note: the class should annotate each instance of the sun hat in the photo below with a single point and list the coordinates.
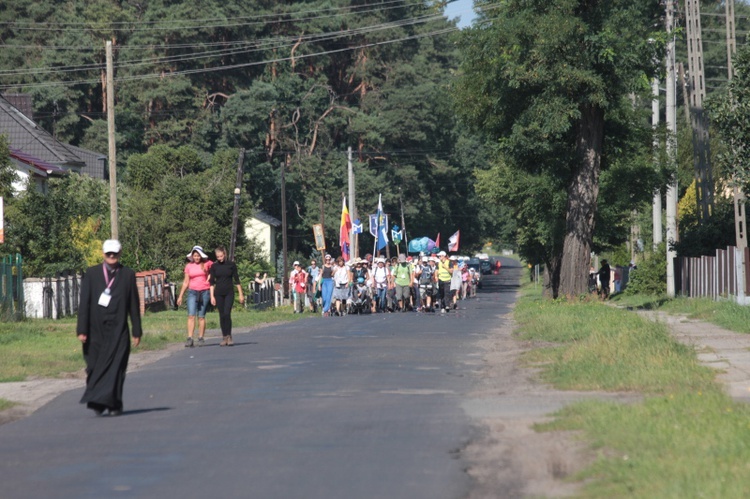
(112, 246)
(200, 251)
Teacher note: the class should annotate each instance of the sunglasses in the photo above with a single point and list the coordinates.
(112, 255)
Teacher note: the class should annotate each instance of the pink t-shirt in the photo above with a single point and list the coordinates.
(198, 277)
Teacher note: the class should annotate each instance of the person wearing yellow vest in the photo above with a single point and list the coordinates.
(445, 272)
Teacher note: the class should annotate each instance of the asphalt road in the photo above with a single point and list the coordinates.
(350, 407)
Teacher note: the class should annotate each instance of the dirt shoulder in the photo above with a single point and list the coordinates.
(508, 458)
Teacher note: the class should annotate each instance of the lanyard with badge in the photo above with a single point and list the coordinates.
(106, 296)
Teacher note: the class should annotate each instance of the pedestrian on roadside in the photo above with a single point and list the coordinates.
(222, 276)
(342, 279)
(312, 285)
(259, 283)
(604, 278)
(300, 288)
(109, 295)
(199, 294)
(403, 279)
(326, 284)
(444, 274)
(456, 282)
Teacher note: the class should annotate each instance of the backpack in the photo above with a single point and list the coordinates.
(426, 275)
(403, 272)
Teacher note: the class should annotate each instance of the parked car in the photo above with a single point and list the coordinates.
(485, 267)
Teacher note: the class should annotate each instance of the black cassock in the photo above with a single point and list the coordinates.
(107, 347)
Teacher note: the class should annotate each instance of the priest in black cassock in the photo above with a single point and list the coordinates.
(108, 296)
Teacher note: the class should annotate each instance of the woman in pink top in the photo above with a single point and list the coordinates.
(199, 295)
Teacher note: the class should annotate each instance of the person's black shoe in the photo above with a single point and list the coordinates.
(115, 412)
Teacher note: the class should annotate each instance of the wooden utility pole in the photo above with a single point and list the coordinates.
(740, 220)
(236, 212)
(656, 206)
(672, 235)
(323, 221)
(112, 148)
(285, 276)
(701, 147)
(353, 238)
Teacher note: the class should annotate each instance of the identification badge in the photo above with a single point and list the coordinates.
(104, 299)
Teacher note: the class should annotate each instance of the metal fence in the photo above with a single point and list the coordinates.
(11, 288)
(262, 296)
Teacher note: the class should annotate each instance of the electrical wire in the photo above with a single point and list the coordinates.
(259, 45)
(450, 29)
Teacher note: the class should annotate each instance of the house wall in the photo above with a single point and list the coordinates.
(19, 186)
(264, 235)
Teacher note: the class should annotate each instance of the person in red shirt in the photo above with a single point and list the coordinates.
(198, 289)
(300, 288)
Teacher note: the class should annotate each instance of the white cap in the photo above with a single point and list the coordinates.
(442, 253)
(424, 258)
(199, 250)
(295, 263)
(453, 257)
(111, 246)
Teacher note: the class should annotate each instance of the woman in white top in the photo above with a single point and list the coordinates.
(380, 275)
(341, 281)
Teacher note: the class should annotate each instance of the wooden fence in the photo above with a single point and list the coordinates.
(723, 275)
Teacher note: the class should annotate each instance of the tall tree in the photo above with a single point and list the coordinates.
(541, 77)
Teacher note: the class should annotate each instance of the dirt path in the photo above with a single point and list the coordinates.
(716, 347)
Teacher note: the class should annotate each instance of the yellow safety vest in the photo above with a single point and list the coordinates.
(443, 273)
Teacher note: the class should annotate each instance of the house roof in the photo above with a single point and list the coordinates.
(267, 219)
(36, 163)
(25, 135)
(96, 163)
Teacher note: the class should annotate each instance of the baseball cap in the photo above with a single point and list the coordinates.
(295, 263)
(112, 246)
(442, 253)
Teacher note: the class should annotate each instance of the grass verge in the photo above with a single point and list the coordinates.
(723, 313)
(6, 404)
(686, 439)
(50, 349)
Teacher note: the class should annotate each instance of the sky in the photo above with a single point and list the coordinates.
(462, 9)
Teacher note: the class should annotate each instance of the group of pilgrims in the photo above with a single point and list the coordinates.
(375, 284)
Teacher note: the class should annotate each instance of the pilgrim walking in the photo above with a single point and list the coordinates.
(108, 296)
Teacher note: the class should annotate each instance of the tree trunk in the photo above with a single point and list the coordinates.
(583, 191)
(552, 277)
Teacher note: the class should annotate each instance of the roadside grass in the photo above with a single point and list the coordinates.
(723, 313)
(6, 404)
(685, 439)
(49, 348)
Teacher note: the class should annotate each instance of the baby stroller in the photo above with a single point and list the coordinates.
(361, 301)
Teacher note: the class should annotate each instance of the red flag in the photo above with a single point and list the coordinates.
(344, 231)
(437, 242)
(453, 241)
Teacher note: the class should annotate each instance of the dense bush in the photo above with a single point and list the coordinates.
(650, 278)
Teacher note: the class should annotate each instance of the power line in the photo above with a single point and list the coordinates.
(258, 45)
(175, 23)
(450, 29)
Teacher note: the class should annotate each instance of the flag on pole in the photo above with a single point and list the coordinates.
(396, 235)
(453, 241)
(382, 237)
(346, 228)
(437, 242)
(357, 227)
